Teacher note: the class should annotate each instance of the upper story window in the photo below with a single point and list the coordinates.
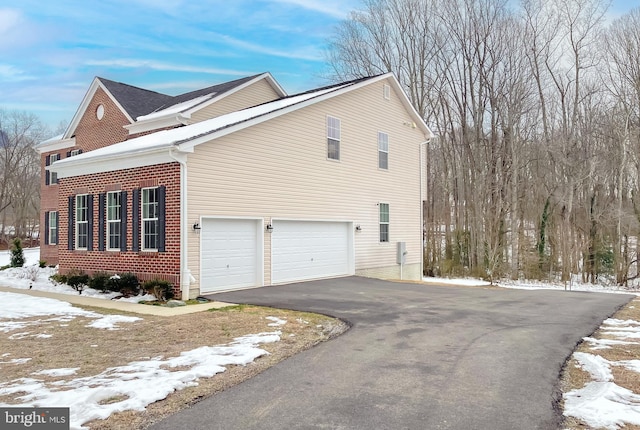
(51, 177)
(333, 138)
(383, 150)
(384, 222)
(114, 211)
(82, 221)
(75, 152)
(150, 219)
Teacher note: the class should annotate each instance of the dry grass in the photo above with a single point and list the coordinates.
(94, 350)
(573, 377)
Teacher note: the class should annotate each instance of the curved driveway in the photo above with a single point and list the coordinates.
(417, 357)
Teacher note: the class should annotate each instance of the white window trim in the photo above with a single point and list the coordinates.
(380, 134)
(78, 222)
(337, 138)
(74, 153)
(380, 222)
(53, 176)
(53, 227)
(113, 221)
(143, 219)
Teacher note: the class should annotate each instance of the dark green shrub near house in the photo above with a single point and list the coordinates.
(162, 290)
(100, 281)
(58, 278)
(126, 284)
(78, 280)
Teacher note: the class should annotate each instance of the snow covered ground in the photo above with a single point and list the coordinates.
(138, 383)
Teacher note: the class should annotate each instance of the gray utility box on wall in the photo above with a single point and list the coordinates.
(401, 257)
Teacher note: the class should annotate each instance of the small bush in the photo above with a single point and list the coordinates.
(162, 290)
(5, 267)
(31, 272)
(100, 281)
(42, 264)
(125, 283)
(17, 254)
(58, 278)
(78, 280)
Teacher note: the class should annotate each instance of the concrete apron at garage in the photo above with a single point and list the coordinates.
(417, 357)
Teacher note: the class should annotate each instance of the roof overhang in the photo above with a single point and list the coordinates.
(55, 145)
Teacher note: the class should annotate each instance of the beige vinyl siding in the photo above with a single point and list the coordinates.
(257, 93)
(279, 169)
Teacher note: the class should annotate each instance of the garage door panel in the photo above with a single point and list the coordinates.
(309, 250)
(229, 249)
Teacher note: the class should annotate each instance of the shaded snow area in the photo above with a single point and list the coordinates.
(37, 278)
(601, 403)
(138, 383)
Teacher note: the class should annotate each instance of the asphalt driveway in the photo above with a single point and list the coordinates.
(416, 357)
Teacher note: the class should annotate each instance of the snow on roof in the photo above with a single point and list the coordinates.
(177, 108)
(52, 139)
(176, 136)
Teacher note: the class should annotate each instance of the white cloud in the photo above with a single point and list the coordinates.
(130, 63)
(9, 21)
(9, 73)
(337, 9)
(309, 53)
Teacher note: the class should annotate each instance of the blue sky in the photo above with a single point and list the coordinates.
(51, 50)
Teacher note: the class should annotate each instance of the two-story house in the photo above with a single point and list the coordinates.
(238, 185)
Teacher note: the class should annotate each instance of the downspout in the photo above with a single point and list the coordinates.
(422, 198)
(185, 274)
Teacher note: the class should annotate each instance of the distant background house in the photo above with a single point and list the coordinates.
(238, 185)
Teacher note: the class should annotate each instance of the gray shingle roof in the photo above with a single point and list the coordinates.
(138, 101)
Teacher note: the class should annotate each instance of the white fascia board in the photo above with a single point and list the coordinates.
(56, 145)
(85, 103)
(157, 123)
(122, 161)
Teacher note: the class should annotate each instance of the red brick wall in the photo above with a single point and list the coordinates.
(90, 134)
(145, 265)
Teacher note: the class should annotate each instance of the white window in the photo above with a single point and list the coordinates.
(386, 91)
(54, 175)
(53, 228)
(384, 222)
(333, 138)
(82, 221)
(114, 203)
(75, 152)
(150, 219)
(383, 150)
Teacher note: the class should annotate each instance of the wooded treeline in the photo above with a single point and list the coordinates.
(535, 172)
(20, 132)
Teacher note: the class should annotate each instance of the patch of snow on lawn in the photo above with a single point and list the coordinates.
(139, 383)
(67, 371)
(17, 306)
(601, 403)
(457, 281)
(276, 321)
(31, 256)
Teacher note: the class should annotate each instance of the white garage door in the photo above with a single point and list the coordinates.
(229, 254)
(309, 250)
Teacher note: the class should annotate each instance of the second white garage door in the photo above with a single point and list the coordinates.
(303, 250)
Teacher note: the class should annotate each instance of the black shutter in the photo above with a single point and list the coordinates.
(101, 220)
(90, 222)
(71, 223)
(79, 151)
(46, 228)
(68, 154)
(162, 191)
(123, 221)
(47, 160)
(135, 220)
